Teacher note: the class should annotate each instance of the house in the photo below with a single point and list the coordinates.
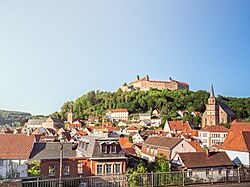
(176, 126)
(203, 165)
(15, 151)
(144, 116)
(48, 155)
(34, 123)
(137, 138)
(237, 143)
(104, 155)
(52, 123)
(117, 114)
(165, 145)
(156, 113)
(122, 124)
(144, 123)
(131, 129)
(155, 121)
(216, 112)
(211, 135)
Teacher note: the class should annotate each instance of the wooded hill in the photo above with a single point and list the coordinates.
(12, 118)
(168, 102)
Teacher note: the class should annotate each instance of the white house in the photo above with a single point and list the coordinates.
(155, 121)
(15, 150)
(211, 135)
(137, 138)
(176, 126)
(165, 145)
(118, 114)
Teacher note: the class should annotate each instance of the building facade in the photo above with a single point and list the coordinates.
(211, 135)
(145, 84)
(118, 114)
(216, 112)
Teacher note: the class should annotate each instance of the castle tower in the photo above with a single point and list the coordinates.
(70, 116)
(211, 115)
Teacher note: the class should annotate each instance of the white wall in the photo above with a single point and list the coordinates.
(239, 157)
(22, 169)
(182, 147)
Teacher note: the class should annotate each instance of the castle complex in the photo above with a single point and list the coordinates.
(216, 112)
(145, 84)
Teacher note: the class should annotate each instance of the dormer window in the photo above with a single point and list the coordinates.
(113, 148)
(104, 148)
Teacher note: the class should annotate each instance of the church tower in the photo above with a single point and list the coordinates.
(70, 116)
(211, 115)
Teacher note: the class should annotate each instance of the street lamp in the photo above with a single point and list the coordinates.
(62, 139)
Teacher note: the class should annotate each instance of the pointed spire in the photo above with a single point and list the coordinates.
(212, 91)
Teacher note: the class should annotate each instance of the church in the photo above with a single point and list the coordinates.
(216, 112)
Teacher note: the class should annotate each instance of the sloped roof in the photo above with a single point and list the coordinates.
(215, 128)
(179, 125)
(132, 128)
(129, 151)
(238, 137)
(165, 142)
(225, 108)
(119, 110)
(196, 145)
(122, 141)
(16, 146)
(201, 160)
(51, 150)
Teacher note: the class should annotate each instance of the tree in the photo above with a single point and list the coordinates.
(34, 168)
(136, 175)
(161, 164)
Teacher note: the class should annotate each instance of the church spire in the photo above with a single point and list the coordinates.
(212, 91)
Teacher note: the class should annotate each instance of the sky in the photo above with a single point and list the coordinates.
(53, 51)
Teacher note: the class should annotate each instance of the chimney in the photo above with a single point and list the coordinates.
(207, 152)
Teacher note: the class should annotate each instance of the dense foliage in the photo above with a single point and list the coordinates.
(168, 102)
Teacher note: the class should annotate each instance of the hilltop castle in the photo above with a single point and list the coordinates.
(145, 84)
(216, 112)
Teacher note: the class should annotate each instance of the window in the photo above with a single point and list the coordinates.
(80, 168)
(204, 134)
(113, 148)
(220, 171)
(117, 168)
(104, 148)
(10, 163)
(66, 170)
(99, 169)
(208, 172)
(190, 173)
(1, 162)
(108, 168)
(18, 175)
(51, 170)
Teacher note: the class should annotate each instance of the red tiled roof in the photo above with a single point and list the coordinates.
(132, 128)
(215, 128)
(122, 141)
(129, 151)
(128, 145)
(238, 138)
(16, 146)
(196, 145)
(201, 160)
(119, 110)
(183, 83)
(179, 125)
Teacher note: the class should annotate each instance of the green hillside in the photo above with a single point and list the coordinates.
(168, 102)
(12, 118)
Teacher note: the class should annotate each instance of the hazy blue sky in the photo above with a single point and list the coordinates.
(52, 51)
